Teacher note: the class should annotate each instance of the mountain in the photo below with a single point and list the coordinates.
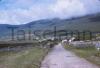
(88, 22)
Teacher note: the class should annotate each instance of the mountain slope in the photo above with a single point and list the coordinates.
(89, 22)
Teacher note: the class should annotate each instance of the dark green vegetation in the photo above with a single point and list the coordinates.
(17, 43)
(89, 53)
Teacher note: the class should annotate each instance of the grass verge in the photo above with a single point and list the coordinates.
(89, 53)
(29, 58)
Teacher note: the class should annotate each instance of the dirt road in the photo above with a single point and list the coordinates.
(61, 58)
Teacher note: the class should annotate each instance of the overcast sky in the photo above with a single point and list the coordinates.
(24, 11)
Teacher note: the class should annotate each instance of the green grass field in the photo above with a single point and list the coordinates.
(89, 53)
(29, 58)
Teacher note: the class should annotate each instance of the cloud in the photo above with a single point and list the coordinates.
(24, 11)
(92, 6)
(68, 8)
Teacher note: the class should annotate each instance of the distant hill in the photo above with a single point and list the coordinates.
(89, 22)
